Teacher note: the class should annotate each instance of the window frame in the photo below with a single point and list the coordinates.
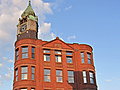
(47, 75)
(33, 73)
(82, 57)
(84, 74)
(69, 59)
(46, 57)
(25, 53)
(58, 52)
(69, 53)
(17, 54)
(33, 52)
(46, 50)
(16, 74)
(89, 58)
(70, 76)
(92, 79)
(24, 73)
(59, 76)
(58, 58)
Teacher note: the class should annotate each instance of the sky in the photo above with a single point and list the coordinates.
(93, 22)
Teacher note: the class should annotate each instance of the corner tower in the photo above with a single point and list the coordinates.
(28, 24)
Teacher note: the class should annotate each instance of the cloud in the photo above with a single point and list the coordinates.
(108, 80)
(45, 28)
(1, 66)
(71, 37)
(69, 7)
(45, 33)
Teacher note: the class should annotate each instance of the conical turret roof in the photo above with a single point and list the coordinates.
(28, 11)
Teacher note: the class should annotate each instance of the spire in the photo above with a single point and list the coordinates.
(29, 3)
(28, 11)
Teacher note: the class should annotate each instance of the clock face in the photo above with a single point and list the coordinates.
(23, 28)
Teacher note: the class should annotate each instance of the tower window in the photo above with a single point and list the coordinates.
(58, 58)
(89, 58)
(91, 77)
(33, 52)
(59, 77)
(82, 57)
(16, 74)
(47, 57)
(33, 73)
(84, 77)
(68, 53)
(70, 76)
(47, 75)
(69, 59)
(17, 54)
(25, 52)
(24, 72)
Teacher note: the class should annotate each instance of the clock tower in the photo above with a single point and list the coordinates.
(27, 27)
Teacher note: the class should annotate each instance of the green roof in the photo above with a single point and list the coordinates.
(28, 11)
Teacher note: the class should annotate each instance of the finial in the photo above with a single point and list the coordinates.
(29, 2)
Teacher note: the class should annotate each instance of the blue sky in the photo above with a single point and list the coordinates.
(93, 22)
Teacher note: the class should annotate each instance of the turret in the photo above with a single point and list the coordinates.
(28, 24)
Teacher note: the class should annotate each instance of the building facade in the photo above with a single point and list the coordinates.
(50, 65)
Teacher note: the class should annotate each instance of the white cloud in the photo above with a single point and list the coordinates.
(71, 37)
(45, 28)
(69, 7)
(108, 80)
(45, 33)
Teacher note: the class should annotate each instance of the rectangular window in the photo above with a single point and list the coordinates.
(46, 57)
(69, 59)
(23, 89)
(24, 52)
(58, 58)
(70, 76)
(82, 57)
(59, 77)
(33, 73)
(32, 89)
(24, 72)
(57, 52)
(91, 77)
(17, 54)
(46, 51)
(16, 74)
(33, 52)
(84, 77)
(68, 53)
(47, 75)
(89, 58)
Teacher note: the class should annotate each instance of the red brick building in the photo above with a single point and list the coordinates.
(50, 65)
